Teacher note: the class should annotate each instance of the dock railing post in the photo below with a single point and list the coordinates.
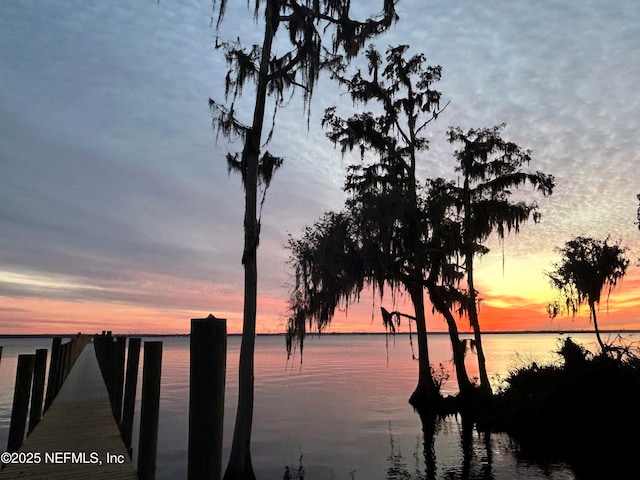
(149, 410)
(131, 384)
(65, 350)
(76, 348)
(53, 369)
(24, 374)
(37, 392)
(67, 362)
(107, 373)
(99, 342)
(208, 358)
(117, 377)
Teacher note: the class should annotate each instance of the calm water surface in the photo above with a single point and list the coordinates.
(343, 412)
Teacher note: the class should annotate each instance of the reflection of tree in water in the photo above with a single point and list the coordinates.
(468, 472)
(398, 468)
(294, 473)
(470, 458)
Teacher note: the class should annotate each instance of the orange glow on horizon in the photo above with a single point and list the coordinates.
(497, 313)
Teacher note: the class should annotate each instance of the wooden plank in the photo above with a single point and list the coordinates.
(77, 433)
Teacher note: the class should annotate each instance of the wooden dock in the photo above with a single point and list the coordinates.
(77, 438)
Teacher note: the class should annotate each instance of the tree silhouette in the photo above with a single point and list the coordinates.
(328, 271)
(490, 168)
(388, 235)
(587, 267)
(384, 193)
(303, 26)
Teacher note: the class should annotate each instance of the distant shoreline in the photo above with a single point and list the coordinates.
(497, 332)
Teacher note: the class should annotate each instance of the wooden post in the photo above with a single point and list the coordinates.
(61, 367)
(64, 364)
(75, 352)
(24, 373)
(131, 383)
(99, 345)
(105, 344)
(37, 391)
(208, 352)
(117, 377)
(54, 365)
(149, 410)
(107, 374)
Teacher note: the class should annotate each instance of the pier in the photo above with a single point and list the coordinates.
(86, 429)
(78, 436)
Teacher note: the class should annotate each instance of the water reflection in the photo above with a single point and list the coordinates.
(345, 409)
(449, 448)
(467, 469)
(473, 457)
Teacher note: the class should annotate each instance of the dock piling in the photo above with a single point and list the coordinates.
(208, 355)
(117, 378)
(149, 410)
(24, 374)
(37, 391)
(131, 383)
(54, 363)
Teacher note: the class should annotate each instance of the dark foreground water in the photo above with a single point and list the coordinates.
(343, 412)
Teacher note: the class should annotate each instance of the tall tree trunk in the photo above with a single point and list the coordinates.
(464, 385)
(485, 385)
(239, 466)
(592, 307)
(426, 392)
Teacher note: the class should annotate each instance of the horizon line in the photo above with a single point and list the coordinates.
(317, 334)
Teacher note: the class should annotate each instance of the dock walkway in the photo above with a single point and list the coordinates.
(77, 437)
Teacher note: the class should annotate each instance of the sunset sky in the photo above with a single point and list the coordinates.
(117, 212)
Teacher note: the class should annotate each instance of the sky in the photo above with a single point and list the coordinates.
(117, 211)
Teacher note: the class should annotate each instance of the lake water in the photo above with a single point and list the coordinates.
(342, 413)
